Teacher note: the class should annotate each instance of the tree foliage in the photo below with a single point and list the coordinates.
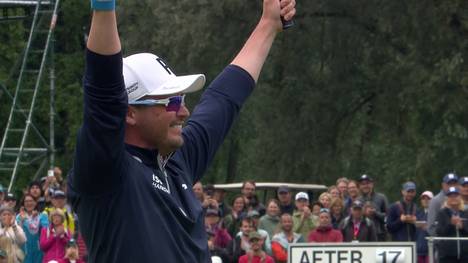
(375, 87)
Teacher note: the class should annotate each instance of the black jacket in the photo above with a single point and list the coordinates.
(451, 248)
(366, 230)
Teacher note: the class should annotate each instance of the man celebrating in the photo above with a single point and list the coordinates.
(134, 164)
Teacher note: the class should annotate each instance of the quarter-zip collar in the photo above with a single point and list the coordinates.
(146, 156)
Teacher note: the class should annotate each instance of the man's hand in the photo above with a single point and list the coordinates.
(273, 10)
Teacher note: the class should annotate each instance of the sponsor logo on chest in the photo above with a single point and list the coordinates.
(158, 184)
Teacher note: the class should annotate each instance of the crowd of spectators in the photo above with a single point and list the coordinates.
(350, 211)
(40, 226)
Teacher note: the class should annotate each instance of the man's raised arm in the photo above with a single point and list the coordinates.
(103, 36)
(256, 49)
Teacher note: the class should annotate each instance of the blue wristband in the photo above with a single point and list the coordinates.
(103, 5)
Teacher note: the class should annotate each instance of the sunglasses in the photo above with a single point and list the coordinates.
(172, 103)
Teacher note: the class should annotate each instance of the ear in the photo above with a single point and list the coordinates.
(131, 119)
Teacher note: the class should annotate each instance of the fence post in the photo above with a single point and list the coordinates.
(430, 243)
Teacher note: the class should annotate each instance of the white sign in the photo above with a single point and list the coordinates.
(371, 252)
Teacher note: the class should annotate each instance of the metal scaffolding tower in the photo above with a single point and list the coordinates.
(22, 143)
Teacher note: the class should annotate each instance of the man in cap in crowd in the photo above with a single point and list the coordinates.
(10, 200)
(134, 162)
(59, 201)
(464, 191)
(215, 225)
(256, 254)
(208, 200)
(254, 216)
(356, 227)
(285, 200)
(449, 180)
(380, 201)
(325, 232)
(280, 242)
(421, 227)
(304, 220)
(401, 218)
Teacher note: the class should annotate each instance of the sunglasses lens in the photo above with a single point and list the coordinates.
(174, 103)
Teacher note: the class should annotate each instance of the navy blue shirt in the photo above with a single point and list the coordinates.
(130, 206)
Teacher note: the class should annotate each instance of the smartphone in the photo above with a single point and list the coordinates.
(50, 173)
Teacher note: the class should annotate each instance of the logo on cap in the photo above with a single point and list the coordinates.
(163, 64)
(132, 88)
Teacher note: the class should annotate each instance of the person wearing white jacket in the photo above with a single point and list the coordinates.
(11, 231)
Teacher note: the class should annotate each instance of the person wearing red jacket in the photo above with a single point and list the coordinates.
(325, 232)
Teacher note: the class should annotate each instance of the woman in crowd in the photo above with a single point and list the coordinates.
(325, 199)
(55, 237)
(336, 212)
(334, 192)
(452, 221)
(270, 221)
(232, 221)
(325, 232)
(12, 233)
(32, 222)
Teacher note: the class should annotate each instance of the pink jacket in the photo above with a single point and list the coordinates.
(53, 246)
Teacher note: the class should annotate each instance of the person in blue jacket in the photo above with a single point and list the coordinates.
(138, 153)
(32, 221)
(401, 219)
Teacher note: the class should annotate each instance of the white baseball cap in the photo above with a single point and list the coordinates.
(147, 74)
(302, 195)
